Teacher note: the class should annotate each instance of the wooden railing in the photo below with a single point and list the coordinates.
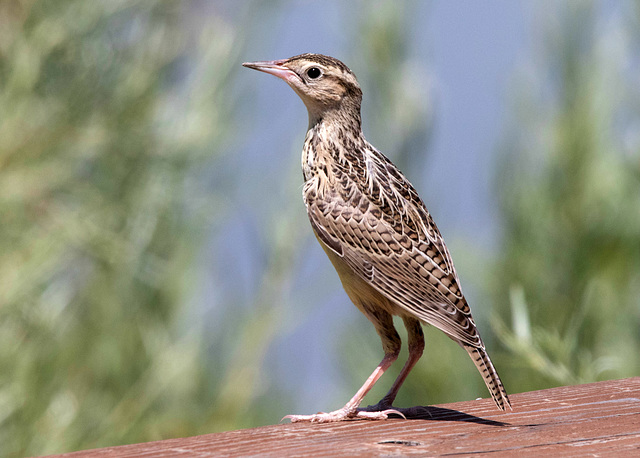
(596, 419)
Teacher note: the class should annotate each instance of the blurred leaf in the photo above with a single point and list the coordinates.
(106, 121)
(571, 193)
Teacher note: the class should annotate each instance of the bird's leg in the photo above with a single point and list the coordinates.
(391, 344)
(350, 410)
(416, 347)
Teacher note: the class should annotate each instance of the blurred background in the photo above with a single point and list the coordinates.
(158, 275)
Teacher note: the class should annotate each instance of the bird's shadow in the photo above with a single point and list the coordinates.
(442, 414)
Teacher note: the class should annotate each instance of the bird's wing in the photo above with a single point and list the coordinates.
(384, 233)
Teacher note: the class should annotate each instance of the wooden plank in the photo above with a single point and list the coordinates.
(598, 418)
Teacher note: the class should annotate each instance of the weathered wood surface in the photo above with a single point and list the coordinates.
(597, 419)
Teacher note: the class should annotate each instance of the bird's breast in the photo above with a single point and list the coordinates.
(309, 160)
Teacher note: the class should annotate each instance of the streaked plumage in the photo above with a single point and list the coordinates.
(375, 229)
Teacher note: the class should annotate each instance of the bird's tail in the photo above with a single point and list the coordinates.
(482, 361)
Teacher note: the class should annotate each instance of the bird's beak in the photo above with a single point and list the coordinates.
(274, 67)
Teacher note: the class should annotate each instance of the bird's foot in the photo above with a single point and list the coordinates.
(345, 414)
(383, 406)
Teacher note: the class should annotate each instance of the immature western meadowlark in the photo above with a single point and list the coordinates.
(376, 230)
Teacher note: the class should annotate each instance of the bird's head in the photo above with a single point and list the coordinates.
(325, 85)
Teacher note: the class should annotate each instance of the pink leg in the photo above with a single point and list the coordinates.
(416, 348)
(350, 410)
(383, 323)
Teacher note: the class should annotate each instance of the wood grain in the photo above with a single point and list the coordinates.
(600, 419)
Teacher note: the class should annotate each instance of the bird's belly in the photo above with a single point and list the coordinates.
(361, 293)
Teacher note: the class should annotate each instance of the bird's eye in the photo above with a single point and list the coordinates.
(314, 72)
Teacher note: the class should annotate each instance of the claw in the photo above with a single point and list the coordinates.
(379, 415)
(391, 411)
(312, 418)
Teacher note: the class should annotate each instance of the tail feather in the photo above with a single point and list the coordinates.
(491, 378)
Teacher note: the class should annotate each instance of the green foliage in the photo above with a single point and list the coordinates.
(100, 220)
(570, 185)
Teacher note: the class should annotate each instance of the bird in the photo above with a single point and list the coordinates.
(377, 233)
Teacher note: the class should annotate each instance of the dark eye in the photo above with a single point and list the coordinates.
(314, 72)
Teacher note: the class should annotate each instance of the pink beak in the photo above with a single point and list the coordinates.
(274, 67)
